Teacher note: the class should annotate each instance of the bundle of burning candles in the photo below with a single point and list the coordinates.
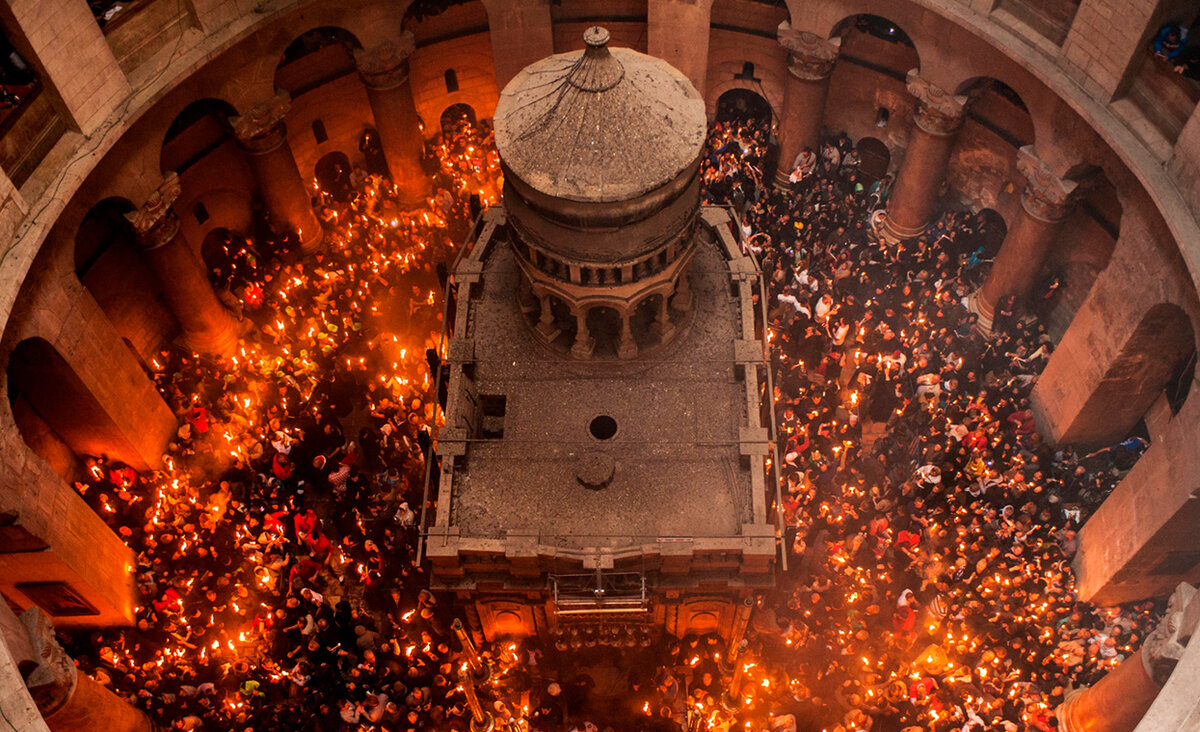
(927, 528)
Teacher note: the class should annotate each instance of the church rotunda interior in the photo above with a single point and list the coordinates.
(578, 365)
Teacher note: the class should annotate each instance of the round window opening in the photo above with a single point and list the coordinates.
(603, 427)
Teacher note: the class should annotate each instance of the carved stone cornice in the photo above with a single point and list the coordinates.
(938, 112)
(262, 130)
(386, 66)
(52, 683)
(1164, 646)
(1046, 196)
(810, 57)
(155, 223)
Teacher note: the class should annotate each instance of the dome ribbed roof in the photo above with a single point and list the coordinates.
(599, 125)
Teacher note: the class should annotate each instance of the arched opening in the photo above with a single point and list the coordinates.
(565, 322)
(983, 167)
(57, 416)
(876, 27)
(990, 230)
(200, 128)
(874, 158)
(743, 105)
(999, 108)
(108, 264)
(317, 57)
(641, 322)
(450, 77)
(456, 117)
(604, 325)
(333, 175)
(1153, 363)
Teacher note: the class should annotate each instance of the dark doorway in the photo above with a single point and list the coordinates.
(873, 159)
(743, 105)
(455, 117)
(333, 175)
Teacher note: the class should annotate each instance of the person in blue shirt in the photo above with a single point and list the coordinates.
(1169, 42)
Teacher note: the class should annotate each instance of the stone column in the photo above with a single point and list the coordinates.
(68, 699)
(1045, 204)
(1119, 700)
(523, 29)
(682, 300)
(584, 344)
(384, 71)
(810, 64)
(208, 327)
(662, 319)
(262, 135)
(545, 324)
(627, 348)
(939, 116)
(677, 31)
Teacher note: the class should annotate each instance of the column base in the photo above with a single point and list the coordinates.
(627, 349)
(315, 241)
(412, 195)
(664, 331)
(487, 725)
(583, 348)
(222, 342)
(682, 301)
(894, 233)
(548, 331)
(978, 304)
(783, 180)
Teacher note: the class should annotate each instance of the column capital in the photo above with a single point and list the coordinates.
(938, 112)
(155, 223)
(1046, 196)
(386, 66)
(53, 681)
(262, 130)
(1164, 646)
(810, 57)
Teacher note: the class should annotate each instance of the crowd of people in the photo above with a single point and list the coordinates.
(277, 584)
(928, 529)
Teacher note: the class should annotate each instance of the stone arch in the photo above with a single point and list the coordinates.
(451, 36)
(991, 97)
(314, 58)
(983, 165)
(991, 229)
(743, 102)
(109, 266)
(859, 33)
(215, 249)
(604, 325)
(57, 416)
(742, 52)
(332, 172)
(875, 158)
(642, 318)
(197, 130)
(454, 114)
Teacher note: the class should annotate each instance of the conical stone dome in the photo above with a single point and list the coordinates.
(600, 125)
